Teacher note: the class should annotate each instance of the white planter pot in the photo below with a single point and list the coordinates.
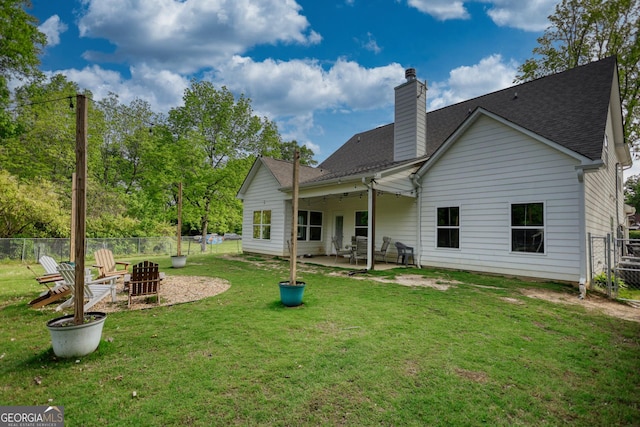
(76, 340)
(178, 261)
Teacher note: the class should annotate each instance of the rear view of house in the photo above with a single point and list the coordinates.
(511, 182)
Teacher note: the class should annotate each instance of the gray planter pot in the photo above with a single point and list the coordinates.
(69, 340)
(178, 261)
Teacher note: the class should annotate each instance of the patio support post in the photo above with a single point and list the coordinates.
(294, 218)
(370, 224)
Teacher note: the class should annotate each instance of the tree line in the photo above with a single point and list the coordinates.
(136, 157)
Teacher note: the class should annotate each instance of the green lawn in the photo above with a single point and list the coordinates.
(357, 353)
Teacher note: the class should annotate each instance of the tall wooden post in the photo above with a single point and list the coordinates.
(294, 218)
(81, 203)
(179, 243)
(72, 237)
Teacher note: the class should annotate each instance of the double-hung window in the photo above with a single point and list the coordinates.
(527, 227)
(309, 226)
(449, 227)
(362, 223)
(262, 225)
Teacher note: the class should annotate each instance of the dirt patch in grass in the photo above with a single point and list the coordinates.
(412, 280)
(478, 377)
(173, 290)
(593, 302)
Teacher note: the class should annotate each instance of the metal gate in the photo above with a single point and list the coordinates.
(615, 266)
(626, 285)
(600, 263)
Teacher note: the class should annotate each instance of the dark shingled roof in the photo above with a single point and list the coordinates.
(568, 108)
(283, 171)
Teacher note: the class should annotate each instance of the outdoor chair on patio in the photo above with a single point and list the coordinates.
(404, 253)
(339, 252)
(383, 249)
(360, 250)
(145, 280)
(106, 265)
(94, 290)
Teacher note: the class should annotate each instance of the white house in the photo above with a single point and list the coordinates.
(511, 182)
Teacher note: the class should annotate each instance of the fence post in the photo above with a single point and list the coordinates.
(608, 250)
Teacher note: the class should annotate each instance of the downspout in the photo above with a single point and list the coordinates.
(582, 219)
(418, 188)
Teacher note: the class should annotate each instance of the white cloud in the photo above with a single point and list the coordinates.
(441, 9)
(467, 82)
(52, 28)
(189, 35)
(371, 44)
(293, 92)
(161, 88)
(528, 15)
(288, 88)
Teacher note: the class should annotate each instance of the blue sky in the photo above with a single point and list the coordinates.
(323, 70)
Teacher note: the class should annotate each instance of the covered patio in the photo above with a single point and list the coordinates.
(330, 261)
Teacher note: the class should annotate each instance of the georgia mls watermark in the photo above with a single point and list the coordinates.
(31, 416)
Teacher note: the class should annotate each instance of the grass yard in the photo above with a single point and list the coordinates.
(357, 353)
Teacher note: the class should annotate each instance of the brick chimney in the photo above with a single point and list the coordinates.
(410, 128)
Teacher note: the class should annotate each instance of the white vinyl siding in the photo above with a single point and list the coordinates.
(490, 167)
(601, 196)
(604, 201)
(261, 195)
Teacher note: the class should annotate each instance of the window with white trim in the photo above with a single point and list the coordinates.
(262, 225)
(309, 226)
(527, 227)
(362, 223)
(448, 227)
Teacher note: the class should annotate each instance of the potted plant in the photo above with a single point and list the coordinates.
(179, 260)
(78, 334)
(70, 339)
(292, 291)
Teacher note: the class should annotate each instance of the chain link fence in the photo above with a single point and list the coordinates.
(615, 266)
(30, 250)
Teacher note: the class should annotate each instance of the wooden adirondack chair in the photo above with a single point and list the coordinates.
(52, 294)
(106, 265)
(145, 280)
(94, 290)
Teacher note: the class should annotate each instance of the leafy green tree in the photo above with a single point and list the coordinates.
(44, 141)
(306, 154)
(632, 192)
(31, 209)
(585, 30)
(216, 137)
(20, 46)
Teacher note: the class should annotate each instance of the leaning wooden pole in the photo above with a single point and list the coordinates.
(80, 205)
(294, 218)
